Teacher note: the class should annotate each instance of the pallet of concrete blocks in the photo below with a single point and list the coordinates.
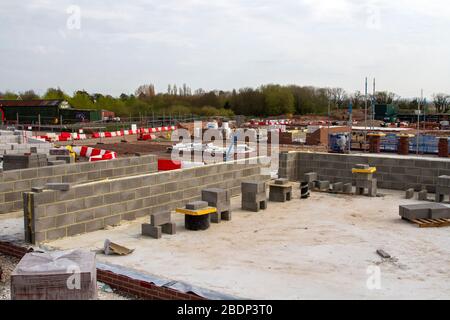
(56, 275)
(197, 215)
(160, 223)
(442, 188)
(280, 191)
(363, 179)
(426, 215)
(253, 196)
(219, 199)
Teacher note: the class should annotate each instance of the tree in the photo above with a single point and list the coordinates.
(82, 100)
(441, 102)
(146, 91)
(28, 95)
(386, 97)
(55, 94)
(8, 95)
(338, 97)
(357, 99)
(278, 100)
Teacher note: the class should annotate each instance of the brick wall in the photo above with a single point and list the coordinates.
(393, 172)
(52, 214)
(14, 183)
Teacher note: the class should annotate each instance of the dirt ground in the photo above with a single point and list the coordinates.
(320, 248)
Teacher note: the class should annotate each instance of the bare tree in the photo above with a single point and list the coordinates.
(337, 97)
(441, 102)
(385, 97)
(146, 90)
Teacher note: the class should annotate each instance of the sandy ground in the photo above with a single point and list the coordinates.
(321, 248)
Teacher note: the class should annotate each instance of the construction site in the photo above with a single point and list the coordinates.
(255, 209)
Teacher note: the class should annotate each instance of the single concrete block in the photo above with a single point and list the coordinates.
(58, 186)
(226, 215)
(215, 195)
(440, 213)
(169, 228)
(362, 166)
(281, 182)
(37, 189)
(444, 181)
(409, 194)
(254, 197)
(151, 231)
(423, 195)
(197, 205)
(160, 218)
(337, 187)
(324, 185)
(310, 177)
(253, 187)
(348, 188)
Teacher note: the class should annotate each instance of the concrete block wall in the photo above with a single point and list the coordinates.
(89, 207)
(14, 183)
(393, 172)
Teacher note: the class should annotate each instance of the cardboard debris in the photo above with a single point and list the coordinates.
(111, 248)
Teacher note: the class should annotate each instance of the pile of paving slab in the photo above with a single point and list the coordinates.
(431, 210)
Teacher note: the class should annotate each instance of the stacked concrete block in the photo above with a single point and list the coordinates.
(364, 180)
(442, 188)
(288, 167)
(58, 275)
(280, 191)
(15, 162)
(54, 214)
(219, 199)
(409, 194)
(159, 223)
(424, 211)
(254, 196)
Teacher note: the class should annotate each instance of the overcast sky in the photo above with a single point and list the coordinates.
(223, 44)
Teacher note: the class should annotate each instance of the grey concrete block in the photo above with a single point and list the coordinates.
(409, 194)
(281, 181)
(226, 215)
(440, 213)
(337, 187)
(444, 181)
(254, 197)
(160, 218)
(348, 188)
(215, 195)
(58, 186)
(324, 185)
(253, 187)
(362, 166)
(423, 195)
(310, 177)
(151, 231)
(196, 205)
(169, 228)
(421, 211)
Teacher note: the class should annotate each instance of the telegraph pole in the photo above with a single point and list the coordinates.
(365, 117)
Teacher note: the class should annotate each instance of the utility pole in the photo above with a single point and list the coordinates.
(373, 103)
(328, 131)
(365, 117)
(418, 121)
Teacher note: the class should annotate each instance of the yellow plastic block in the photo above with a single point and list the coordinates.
(200, 212)
(367, 171)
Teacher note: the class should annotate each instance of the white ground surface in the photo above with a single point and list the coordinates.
(319, 248)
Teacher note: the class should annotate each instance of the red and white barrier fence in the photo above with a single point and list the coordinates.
(67, 136)
(94, 154)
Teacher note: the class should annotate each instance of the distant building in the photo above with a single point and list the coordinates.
(45, 111)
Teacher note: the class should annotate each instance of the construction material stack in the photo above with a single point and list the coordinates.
(363, 179)
(254, 196)
(219, 199)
